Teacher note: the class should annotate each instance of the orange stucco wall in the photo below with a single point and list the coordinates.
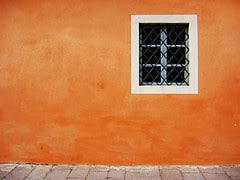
(65, 86)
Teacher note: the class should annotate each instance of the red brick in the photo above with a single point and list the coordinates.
(232, 171)
(219, 176)
(20, 172)
(171, 174)
(193, 176)
(79, 172)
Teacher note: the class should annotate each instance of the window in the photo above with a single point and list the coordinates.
(164, 54)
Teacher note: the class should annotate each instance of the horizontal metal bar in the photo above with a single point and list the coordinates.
(151, 65)
(176, 65)
(168, 65)
(175, 45)
(151, 45)
(159, 83)
(159, 45)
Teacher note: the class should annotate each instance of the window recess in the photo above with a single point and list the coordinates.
(164, 54)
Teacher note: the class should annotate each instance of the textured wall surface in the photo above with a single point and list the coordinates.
(65, 86)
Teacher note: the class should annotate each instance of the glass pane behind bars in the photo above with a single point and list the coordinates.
(176, 55)
(163, 57)
(151, 55)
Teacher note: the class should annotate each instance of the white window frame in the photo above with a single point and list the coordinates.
(192, 88)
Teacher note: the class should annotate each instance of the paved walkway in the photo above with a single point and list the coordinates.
(77, 172)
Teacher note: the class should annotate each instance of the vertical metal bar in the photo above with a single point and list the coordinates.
(186, 75)
(140, 55)
(163, 52)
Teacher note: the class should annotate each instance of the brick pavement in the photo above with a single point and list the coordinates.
(89, 172)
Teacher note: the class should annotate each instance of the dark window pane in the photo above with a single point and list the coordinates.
(176, 35)
(151, 55)
(151, 74)
(150, 34)
(175, 74)
(155, 50)
(176, 55)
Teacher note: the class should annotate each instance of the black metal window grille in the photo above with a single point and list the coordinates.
(163, 54)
